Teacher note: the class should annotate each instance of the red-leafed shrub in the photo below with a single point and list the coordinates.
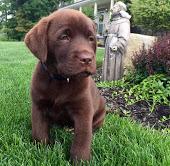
(154, 60)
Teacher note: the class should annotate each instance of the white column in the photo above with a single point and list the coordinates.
(111, 5)
(80, 9)
(95, 10)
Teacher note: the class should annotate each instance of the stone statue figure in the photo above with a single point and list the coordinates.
(116, 43)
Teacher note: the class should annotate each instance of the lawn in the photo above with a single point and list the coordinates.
(119, 142)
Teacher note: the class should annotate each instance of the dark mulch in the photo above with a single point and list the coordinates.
(159, 118)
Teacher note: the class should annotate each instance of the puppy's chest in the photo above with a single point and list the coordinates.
(59, 100)
(62, 94)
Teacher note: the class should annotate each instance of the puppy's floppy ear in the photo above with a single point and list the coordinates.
(94, 26)
(36, 39)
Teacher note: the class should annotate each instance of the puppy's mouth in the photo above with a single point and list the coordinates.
(81, 72)
(84, 74)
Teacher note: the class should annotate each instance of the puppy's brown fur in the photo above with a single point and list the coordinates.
(65, 44)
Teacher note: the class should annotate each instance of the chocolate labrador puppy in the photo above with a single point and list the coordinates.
(62, 90)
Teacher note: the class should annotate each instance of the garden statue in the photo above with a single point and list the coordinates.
(116, 43)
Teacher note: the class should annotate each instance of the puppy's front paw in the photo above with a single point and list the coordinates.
(79, 154)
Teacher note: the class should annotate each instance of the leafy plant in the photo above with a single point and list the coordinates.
(109, 84)
(154, 89)
(154, 60)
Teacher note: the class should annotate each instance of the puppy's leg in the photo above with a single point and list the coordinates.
(98, 119)
(100, 114)
(81, 146)
(40, 125)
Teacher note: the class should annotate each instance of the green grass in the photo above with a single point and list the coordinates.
(119, 142)
(100, 55)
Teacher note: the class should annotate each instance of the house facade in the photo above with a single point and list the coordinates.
(101, 12)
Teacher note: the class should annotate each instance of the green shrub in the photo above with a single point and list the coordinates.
(154, 89)
(88, 11)
(154, 60)
(3, 37)
(151, 14)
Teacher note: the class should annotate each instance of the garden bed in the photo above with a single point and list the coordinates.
(140, 111)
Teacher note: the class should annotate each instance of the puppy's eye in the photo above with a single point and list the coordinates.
(91, 38)
(65, 37)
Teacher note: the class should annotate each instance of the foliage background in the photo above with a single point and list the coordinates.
(18, 16)
(153, 15)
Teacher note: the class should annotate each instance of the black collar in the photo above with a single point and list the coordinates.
(53, 76)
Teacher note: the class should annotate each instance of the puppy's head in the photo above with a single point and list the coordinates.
(66, 41)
